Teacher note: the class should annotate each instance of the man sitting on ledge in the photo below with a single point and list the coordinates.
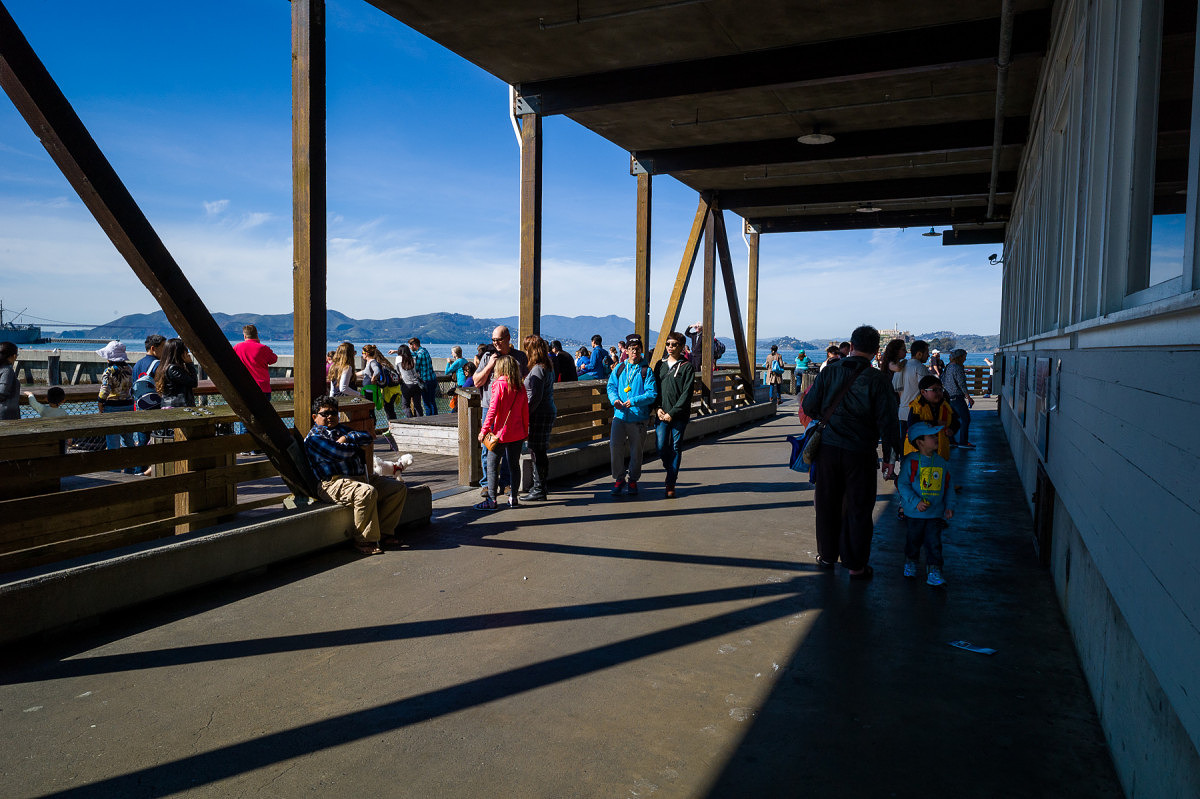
(338, 456)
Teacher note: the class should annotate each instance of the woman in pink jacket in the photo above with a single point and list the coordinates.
(508, 418)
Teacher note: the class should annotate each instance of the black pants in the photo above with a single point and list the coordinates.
(844, 497)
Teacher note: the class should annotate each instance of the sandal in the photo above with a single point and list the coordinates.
(487, 504)
(368, 548)
(390, 541)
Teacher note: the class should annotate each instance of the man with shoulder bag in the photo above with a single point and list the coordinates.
(844, 470)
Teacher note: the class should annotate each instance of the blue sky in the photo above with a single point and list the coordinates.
(192, 106)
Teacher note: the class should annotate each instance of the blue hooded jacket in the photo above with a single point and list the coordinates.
(631, 382)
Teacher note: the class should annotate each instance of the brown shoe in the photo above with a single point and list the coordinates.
(670, 492)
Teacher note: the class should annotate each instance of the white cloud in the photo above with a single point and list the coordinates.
(216, 207)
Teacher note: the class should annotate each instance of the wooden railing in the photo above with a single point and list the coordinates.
(195, 482)
(584, 415)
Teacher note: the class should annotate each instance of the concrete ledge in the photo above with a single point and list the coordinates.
(584, 457)
(54, 597)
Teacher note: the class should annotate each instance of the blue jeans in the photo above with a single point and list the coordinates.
(670, 443)
(118, 440)
(429, 395)
(959, 404)
(926, 533)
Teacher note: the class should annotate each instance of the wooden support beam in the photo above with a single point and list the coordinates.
(745, 357)
(855, 145)
(920, 51)
(530, 319)
(752, 300)
(671, 315)
(641, 283)
(309, 262)
(851, 220)
(54, 121)
(708, 359)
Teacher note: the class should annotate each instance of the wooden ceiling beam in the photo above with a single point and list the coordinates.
(851, 145)
(924, 217)
(943, 186)
(906, 52)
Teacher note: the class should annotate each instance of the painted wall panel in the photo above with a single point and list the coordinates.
(1124, 461)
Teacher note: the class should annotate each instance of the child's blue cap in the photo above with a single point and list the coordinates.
(919, 429)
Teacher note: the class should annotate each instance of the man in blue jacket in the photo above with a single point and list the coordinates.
(632, 392)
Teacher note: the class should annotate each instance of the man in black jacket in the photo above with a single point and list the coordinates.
(844, 471)
(564, 365)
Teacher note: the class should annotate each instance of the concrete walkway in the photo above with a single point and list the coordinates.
(589, 647)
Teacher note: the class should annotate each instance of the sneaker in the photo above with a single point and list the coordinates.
(487, 504)
(632, 489)
(935, 577)
(617, 486)
(967, 446)
(910, 568)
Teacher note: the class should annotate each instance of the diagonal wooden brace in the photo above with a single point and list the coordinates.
(40, 101)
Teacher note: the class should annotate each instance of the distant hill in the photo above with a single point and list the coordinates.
(440, 327)
(445, 328)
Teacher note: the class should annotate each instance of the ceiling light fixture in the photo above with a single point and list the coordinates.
(868, 208)
(816, 137)
(931, 233)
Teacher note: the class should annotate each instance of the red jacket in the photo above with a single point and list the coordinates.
(508, 414)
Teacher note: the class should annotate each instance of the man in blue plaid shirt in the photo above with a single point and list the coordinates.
(338, 456)
(425, 371)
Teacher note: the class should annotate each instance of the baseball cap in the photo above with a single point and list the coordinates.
(919, 429)
(634, 338)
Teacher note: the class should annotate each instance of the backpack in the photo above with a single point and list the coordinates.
(391, 377)
(145, 393)
(777, 366)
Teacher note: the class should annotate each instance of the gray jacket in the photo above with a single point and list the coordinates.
(867, 413)
(10, 393)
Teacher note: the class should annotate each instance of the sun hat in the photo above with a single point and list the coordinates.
(919, 429)
(113, 351)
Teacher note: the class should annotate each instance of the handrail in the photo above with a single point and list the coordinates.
(195, 480)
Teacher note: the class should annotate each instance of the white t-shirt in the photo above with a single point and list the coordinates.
(913, 372)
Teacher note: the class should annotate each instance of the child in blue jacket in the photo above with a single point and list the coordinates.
(928, 497)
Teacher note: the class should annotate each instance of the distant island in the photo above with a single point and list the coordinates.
(444, 328)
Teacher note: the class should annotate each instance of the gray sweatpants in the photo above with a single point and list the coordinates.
(631, 435)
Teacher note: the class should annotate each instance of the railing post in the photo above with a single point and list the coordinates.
(54, 367)
(470, 420)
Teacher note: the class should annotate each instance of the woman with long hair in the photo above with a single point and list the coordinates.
(175, 378)
(508, 418)
(410, 382)
(539, 391)
(343, 382)
(377, 374)
(892, 364)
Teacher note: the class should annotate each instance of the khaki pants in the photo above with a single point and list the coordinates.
(377, 505)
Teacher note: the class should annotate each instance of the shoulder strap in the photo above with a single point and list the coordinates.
(837, 400)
